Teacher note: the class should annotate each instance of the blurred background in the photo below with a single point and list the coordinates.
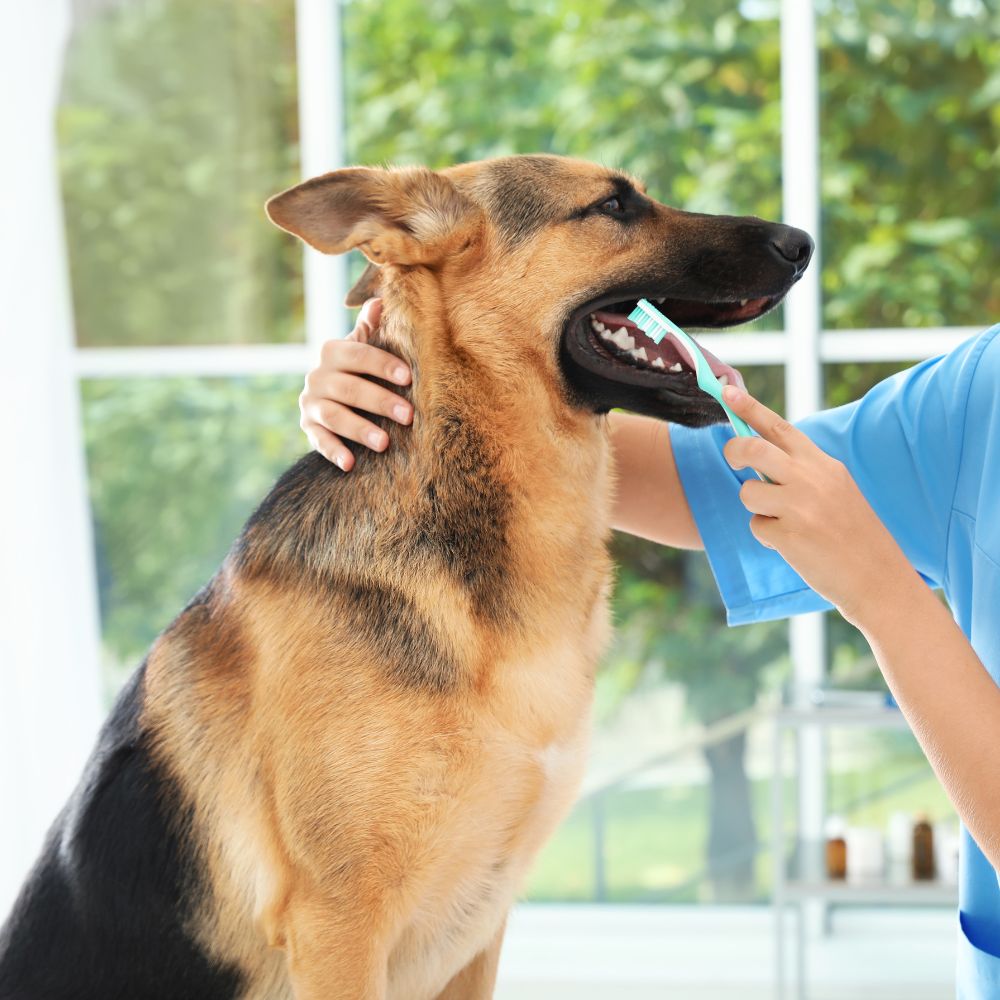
(158, 330)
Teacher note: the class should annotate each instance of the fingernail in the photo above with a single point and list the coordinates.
(377, 439)
(401, 375)
(732, 393)
(401, 413)
(339, 462)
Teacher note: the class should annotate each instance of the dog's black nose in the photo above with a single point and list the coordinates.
(793, 245)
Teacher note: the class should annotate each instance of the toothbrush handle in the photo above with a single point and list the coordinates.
(742, 429)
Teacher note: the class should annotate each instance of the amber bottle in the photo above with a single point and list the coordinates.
(836, 849)
(923, 850)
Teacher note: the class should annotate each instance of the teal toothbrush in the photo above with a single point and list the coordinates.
(656, 326)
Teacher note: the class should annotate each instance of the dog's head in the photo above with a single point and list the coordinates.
(542, 258)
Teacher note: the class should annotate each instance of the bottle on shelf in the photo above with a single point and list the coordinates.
(836, 848)
(923, 850)
(865, 854)
(899, 844)
(946, 845)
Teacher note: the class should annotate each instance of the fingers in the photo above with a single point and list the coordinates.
(766, 501)
(371, 313)
(763, 528)
(342, 421)
(329, 446)
(762, 498)
(353, 391)
(339, 386)
(760, 455)
(769, 425)
(362, 359)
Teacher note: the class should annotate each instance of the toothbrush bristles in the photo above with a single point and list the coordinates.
(647, 322)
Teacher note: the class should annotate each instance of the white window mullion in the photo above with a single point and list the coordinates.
(891, 344)
(803, 374)
(740, 349)
(214, 361)
(321, 141)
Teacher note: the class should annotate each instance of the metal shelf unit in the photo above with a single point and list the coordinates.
(799, 875)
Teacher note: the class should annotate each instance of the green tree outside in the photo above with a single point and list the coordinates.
(178, 119)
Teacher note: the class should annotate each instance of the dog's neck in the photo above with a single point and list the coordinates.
(468, 376)
(492, 433)
(492, 502)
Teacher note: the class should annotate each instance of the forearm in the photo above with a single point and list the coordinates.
(811, 511)
(650, 500)
(948, 698)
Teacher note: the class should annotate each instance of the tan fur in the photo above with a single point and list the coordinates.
(363, 839)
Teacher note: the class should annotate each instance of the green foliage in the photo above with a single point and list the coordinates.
(178, 119)
(910, 163)
(175, 466)
(672, 626)
(684, 95)
(655, 835)
(177, 123)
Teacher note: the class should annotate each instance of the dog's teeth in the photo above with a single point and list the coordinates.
(723, 380)
(660, 302)
(743, 302)
(658, 363)
(621, 339)
(639, 354)
(677, 367)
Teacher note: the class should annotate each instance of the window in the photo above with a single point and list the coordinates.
(177, 120)
(195, 319)
(910, 241)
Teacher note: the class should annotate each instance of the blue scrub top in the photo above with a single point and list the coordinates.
(924, 447)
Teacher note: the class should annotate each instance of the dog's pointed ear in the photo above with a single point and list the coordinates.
(366, 287)
(408, 215)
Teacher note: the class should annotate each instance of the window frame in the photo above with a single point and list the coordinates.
(803, 348)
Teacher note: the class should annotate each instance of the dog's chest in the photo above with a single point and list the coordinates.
(519, 788)
(490, 848)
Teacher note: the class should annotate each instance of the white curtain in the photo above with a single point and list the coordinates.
(49, 671)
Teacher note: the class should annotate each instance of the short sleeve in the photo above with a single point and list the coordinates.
(902, 442)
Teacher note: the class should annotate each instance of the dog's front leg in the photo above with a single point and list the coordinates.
(478, 979)
(334, 954)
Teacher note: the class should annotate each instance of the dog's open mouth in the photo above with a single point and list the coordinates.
(615, 336)
(613, 362)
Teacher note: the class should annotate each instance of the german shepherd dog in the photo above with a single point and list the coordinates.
(334, 768)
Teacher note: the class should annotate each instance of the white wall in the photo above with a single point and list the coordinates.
(49, 680)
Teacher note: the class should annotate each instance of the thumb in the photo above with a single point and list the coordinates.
(371, 313)
(367, 322)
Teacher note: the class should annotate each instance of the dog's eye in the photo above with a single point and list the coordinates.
(613, 206)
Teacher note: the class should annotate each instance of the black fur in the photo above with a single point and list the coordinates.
(460, 522)
(101, 916)
(384, 619)
(519, 199)
(465, 518)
